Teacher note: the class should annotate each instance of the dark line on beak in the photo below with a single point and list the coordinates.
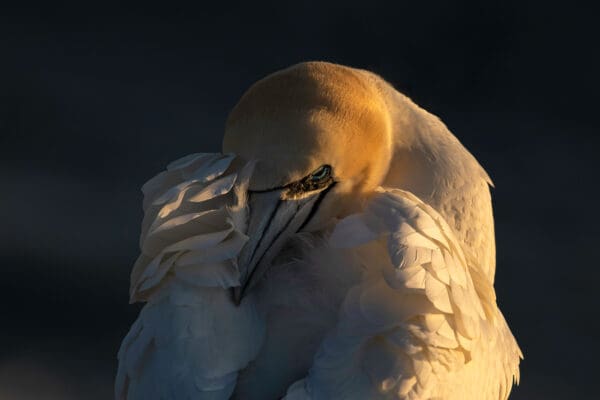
(242, 289)
(315, 206)
(273, 213)
(249, 278)
(311, 213)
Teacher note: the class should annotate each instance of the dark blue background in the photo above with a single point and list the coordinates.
(94, 101)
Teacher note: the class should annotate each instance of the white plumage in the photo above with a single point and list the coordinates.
(377, 287)
(190, 238)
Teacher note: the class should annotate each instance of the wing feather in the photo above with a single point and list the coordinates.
(420, 305)
(190, 340)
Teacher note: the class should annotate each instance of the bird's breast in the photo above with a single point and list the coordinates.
(300, 298)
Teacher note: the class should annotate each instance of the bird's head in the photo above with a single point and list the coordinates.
(320, 136)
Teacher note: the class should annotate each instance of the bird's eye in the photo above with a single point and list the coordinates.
(321, 174)
(318, 179)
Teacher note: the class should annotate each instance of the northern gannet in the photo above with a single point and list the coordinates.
(341, 247)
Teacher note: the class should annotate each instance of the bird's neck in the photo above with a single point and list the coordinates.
(431, 163)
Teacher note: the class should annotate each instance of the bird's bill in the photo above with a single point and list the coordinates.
(273, 220)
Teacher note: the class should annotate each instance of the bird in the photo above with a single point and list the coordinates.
(341, 246)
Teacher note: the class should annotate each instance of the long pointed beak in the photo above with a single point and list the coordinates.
(273, 221)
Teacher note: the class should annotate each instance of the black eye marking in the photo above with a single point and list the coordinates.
(318, 179)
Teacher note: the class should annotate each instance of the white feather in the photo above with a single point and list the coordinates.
(190, 340)
(426, 271)
(396, 303)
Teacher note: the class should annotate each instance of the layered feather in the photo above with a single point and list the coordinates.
(418, 322)
(422, 319)
(190, 340)
(418, 318)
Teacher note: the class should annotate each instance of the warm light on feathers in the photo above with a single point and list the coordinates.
(344, 250)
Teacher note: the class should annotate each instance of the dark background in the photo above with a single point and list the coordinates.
(94, 101)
